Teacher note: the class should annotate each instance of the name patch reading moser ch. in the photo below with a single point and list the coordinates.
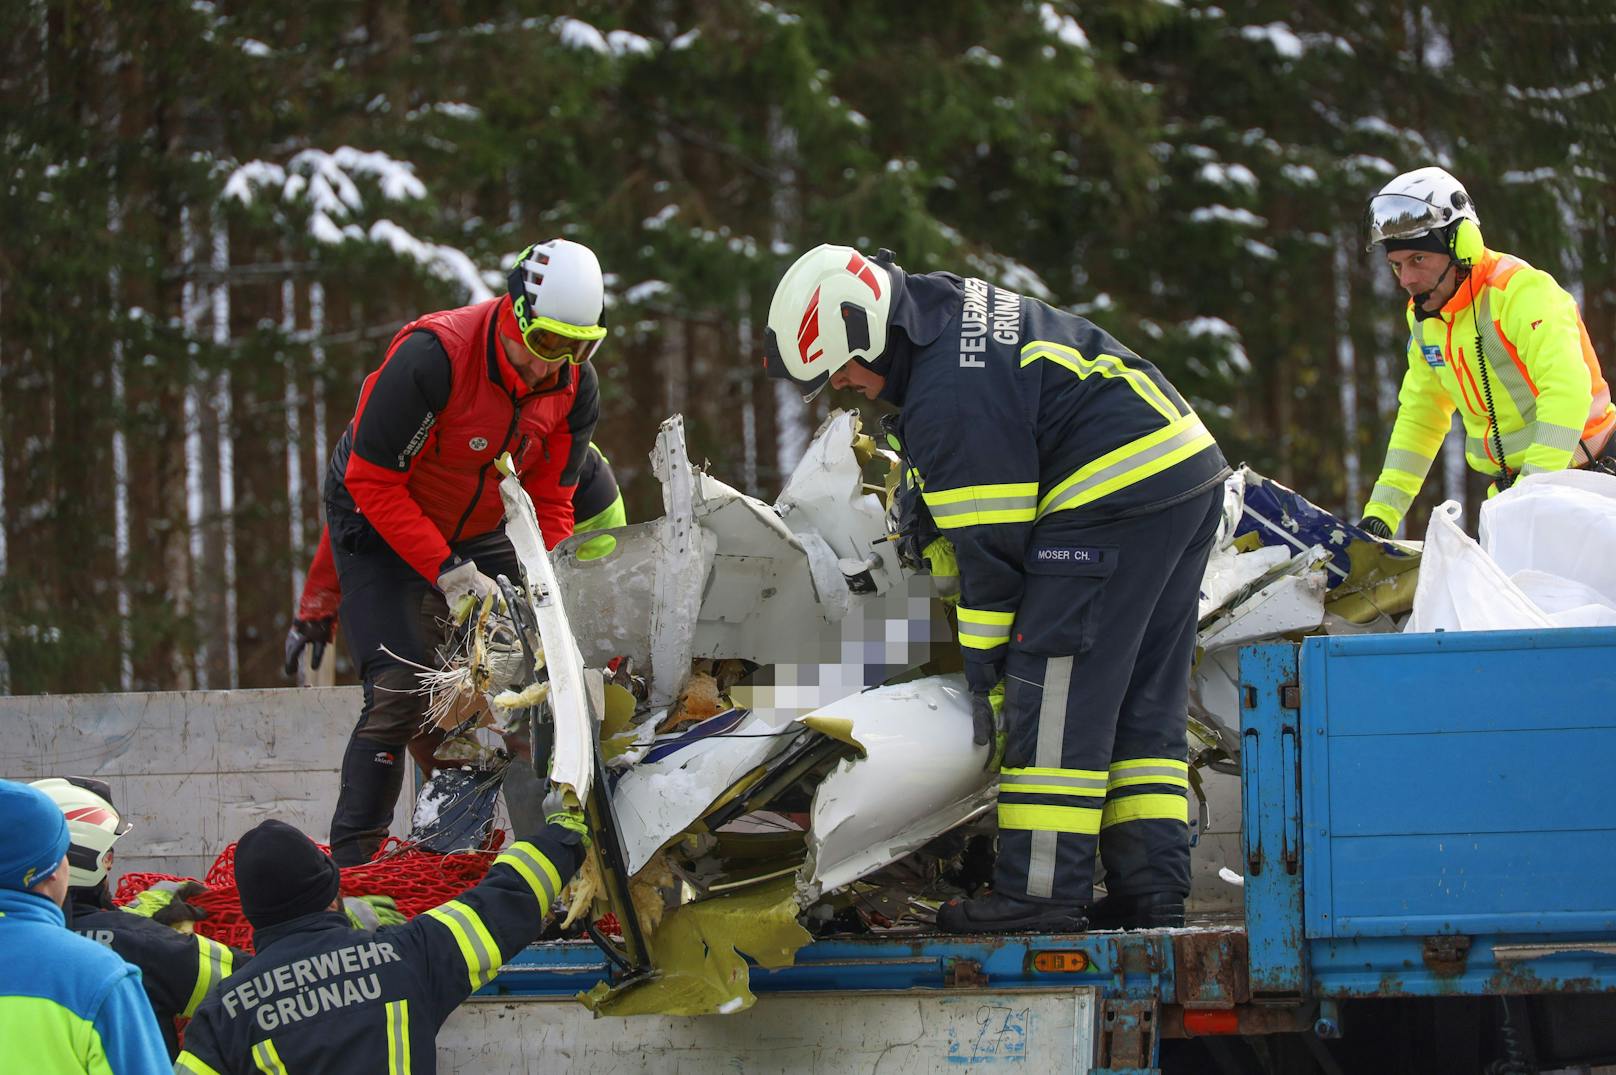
(1080, 559)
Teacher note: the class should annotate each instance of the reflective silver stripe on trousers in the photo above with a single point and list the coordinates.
(1149, 770)
(517, 851)
(1051, 747)
(1126, 464)
(486, 960)
(1500, 365)
(1077, 783)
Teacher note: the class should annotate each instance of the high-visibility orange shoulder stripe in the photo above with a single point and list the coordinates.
(1515, 356)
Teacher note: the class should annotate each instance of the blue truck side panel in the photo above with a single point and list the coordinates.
(1454, 812)
(1424, 815)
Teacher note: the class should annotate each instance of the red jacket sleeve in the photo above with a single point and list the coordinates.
(322, 593)
(398, 408)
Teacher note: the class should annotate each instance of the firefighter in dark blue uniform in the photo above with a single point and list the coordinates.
(323, 997)
(1081, 495)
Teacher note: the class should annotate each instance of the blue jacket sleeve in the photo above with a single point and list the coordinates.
(464, 942)
(127, 1030)
(979, 478)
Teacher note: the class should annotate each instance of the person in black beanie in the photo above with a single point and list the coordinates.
(321, 997)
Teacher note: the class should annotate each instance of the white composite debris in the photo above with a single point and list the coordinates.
(574, 695)
(920, 775)
(659, 798)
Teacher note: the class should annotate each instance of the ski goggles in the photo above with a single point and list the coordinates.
(1403, 216)
(554, 341)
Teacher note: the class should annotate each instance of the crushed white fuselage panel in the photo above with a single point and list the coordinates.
(920, 775)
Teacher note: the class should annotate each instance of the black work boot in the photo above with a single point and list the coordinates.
(1000, 912)
(372, 774)
(1148, 910)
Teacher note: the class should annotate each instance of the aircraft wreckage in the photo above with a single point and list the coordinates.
(761, 709)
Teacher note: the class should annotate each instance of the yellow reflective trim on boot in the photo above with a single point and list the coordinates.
(1082, 820)
(1146, 808)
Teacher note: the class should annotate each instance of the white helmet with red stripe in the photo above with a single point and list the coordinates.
(93, 826)
(829, 308)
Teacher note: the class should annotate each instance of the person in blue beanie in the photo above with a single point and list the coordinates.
(67, 1004)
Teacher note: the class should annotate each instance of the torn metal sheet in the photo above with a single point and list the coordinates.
(574, 694)
(724, 575)
(920, 775)
(685, 773)
(699, 953)
(641, 600)
(1276, 515)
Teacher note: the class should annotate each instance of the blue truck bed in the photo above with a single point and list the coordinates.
(1424, 816)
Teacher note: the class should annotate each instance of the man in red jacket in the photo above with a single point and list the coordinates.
(412, 494)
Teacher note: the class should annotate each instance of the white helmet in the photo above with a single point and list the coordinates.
(829, 308)
(1417, 203)
(93, 826)
(556, 287)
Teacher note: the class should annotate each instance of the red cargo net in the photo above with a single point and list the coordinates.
(417, 880)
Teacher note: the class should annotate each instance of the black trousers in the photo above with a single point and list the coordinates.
(1096, 706)
(386, 603)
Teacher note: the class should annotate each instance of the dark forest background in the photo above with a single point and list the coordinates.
(215, 216)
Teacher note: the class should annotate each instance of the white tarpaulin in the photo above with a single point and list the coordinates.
(1543, 559)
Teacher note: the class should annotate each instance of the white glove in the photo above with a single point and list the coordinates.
(464, 588)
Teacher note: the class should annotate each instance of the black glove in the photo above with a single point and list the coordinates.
(1377, 526)
(984, 721)
(307, 632)
(168, 902)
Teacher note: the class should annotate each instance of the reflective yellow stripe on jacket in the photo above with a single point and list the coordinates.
(214, 963)
(1181, 437)
(398, 1037)
(266, 1059)
(190, 1064)
(476, 944)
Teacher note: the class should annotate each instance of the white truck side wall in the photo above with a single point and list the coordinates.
(193, 770)
(825, 1034)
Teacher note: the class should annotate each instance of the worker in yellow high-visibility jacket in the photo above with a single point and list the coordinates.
(1490, 336)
